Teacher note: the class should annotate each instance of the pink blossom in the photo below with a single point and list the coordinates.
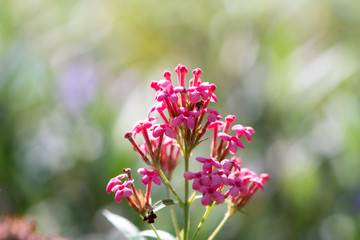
(159, 106)
(167, 75)
(120, 189)
(213, 115)
(234, 162)
(114, 181)
(203, 90)
(181, 70)
(186, 115)
(237, 187)
(149, 176)
(220, 177)
(211, 193)
(229, 120)
(165, 90)
(200, 179)
(208, 163)
(234, 142)
(240, 130)
(197, 73)
(163, 128)
(218, 125)
(141, 126)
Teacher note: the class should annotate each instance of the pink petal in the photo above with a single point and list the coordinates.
(194, 97)
(173, 98)
(196, 184)
(218, 197)
(118, 196)
(233, 147)
(127, 192)
(190, 122)
(234, 192)
(213, 98)
(201, 159)
(206, 199)
(157, 132)
(170, 132)
(145, 180)
(142, 171)
(178, 120)
(189, 175)
(224, 136)
(156, 180)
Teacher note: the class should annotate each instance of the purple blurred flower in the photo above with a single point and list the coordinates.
(76, 86)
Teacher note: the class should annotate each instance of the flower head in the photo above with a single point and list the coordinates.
(149, 176)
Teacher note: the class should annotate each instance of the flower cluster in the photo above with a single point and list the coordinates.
(126, 188)
(184, 117)
(242, 183)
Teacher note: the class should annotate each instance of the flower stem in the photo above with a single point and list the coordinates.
(192, 198)
(207, 211)
(154, 229)
(173, 214)
(228, 214)
(167, 182)
(186, 206)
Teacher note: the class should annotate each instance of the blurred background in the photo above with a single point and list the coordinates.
(75, 75)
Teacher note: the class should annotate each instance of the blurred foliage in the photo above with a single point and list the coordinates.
(74, 76)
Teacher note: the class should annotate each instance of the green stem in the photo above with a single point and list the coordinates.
(186, 206)
(192, 198)
(173, 214)
(154, 229)
(228, 214)
(207, 211)
(166, 181)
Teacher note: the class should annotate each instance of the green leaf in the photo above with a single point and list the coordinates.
(124, 226)
(163, 203)
(162, 234)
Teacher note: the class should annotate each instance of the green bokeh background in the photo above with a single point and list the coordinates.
(74, 76)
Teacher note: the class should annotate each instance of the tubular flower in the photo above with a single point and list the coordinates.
(175, 125)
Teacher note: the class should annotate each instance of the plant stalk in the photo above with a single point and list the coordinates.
(228, 214)
(154, 229)
(173, 214)
(167, 182)
(207, 211)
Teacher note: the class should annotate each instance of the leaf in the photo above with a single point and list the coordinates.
(162, 234)
(163, 203)
(124, 226)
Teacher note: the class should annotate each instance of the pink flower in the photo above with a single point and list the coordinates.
(208, 163)
(213, 115)
(120, 189)
(141, 126)
(229, 120)
(240, 130)
(234, 162)
(163, 128)
(200, 179)
(165, 90)
(149, 176)
(234, 142)
(114, 181)
(204, 90)
(220, 177)
(237, 187)
(181, 70)
(159, 106)
(211, 193)
(217, 125)
(186, 115)
(197, 73)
